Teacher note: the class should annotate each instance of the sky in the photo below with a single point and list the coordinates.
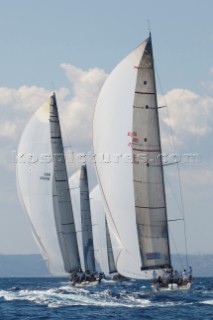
(70, 46)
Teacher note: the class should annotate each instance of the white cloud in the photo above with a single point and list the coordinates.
(8, 129)
(24, 98)
(199, 178)
(76, 108)
(208, 84)
(17, 106)
(188, 113)
(85, 83)
(78, 111)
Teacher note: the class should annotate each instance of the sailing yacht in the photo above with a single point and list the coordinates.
(79, 190)
(94, 242)
(126, 129)
(58, 209)
(44, 191)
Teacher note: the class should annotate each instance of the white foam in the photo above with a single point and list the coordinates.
(207, 302)
(67, 295)
(70, 296)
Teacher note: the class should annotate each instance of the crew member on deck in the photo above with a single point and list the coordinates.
(190, 274)
(184, 275)
(154, 275)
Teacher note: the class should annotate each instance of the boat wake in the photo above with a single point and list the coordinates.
(101, 296)
(70, 296)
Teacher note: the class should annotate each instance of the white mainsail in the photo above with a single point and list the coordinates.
(126, 133)
(106, 246)
(81, 208)
(44, 192)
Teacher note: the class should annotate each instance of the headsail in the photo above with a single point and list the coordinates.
(61, 196)
(126, 129)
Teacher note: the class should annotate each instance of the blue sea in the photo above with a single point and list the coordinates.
(55, 298)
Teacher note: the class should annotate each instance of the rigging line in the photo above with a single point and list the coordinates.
(97, 217)
(173, 194)
(171, 135)
(179, 256)
(71, 165)
(65, 133)
(63, 128)
(148, 25)
(184, 221)
(178, 168)
(53, 86)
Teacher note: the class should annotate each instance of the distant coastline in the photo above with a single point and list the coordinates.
(33, 265)
(16, 265)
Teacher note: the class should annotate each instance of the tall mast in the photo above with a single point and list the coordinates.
(166, 214)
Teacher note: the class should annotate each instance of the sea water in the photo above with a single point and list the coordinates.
(55, 298)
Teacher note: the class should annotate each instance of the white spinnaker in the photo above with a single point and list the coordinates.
(112, 129)
(100, 233)
(34, 180)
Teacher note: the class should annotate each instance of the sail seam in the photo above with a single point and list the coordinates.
(143, 68)
(152, 108)
(150, 207)
(146, 150)
(139, 92)
(67, 224)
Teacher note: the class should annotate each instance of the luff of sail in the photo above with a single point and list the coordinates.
(61, 196)
(34, 182)
(118, 105)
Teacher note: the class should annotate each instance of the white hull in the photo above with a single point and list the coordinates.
(170, 287)
(86, 283)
